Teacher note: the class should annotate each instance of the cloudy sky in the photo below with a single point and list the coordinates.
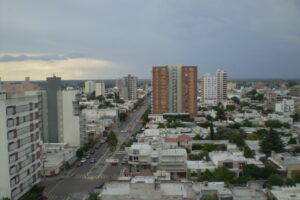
(102, 39)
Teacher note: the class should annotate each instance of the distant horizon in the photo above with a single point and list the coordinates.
(110, 79)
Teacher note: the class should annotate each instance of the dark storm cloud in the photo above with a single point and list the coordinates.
(254, 38)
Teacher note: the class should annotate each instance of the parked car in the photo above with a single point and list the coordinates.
(83, 160)
(97, 188)
(87, 156)
(102, 141)
(92, 151)
(79, 164)
(123, 131)
(92, 160)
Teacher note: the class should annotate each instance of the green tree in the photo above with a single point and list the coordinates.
(290, 182)
(295, 117)
(202, 109)
(297, 178)
(209, 118)
(120, 101)
(93, 196)
(235, 125)
(248, 153)
(286, 125)
(223, 174)
(221, 114)
(271, 142)
(206, 176)
(209, 197)
(79, 152)
(100, 98)
(247, 123)
(235, 100)
(230, 108)
(292, 141)
(275, 179)
(197, 137)
(36, 192)
(259, 173)
(110, 96)
(273, 124)
(252, 93)
(112, 140)
(237, 139)
(161, 125)
(252, 136)
(5, 198)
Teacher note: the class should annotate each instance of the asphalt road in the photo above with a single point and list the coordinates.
(82, 180)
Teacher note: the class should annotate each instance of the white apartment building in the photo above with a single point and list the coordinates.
(208, 84)
(20, 144)
(127, 87)
(89, 86)
(148, 188)
(214, 88)
(285, 106)
(70, 124)
(99, 89)
(143, 157)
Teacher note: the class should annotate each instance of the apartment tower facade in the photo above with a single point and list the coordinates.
(214, 88)
(174, 89)
(20, 143)
(221, 84)
(127, 87)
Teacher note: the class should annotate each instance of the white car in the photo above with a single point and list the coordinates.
(83, 160)
(123, 131)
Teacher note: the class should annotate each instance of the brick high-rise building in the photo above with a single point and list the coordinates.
(174, 89)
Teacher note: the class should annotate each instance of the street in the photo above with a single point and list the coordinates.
(82, 180)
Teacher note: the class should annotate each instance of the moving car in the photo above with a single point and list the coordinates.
(112, 161)
(123, 131)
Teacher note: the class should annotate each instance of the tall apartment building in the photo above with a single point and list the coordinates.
(174, 89)
(89, 86)
(99, 88)
(127, 87)
(208, 85)
(295, 91)
(20, 143)
(214, 88)
(53, 89)
(221, 79)
(61, 122)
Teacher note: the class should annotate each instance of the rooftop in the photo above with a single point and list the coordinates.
(286, 193)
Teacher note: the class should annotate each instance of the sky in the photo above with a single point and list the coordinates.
(107, 39)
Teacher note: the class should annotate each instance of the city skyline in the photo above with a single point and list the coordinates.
(107, 39)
